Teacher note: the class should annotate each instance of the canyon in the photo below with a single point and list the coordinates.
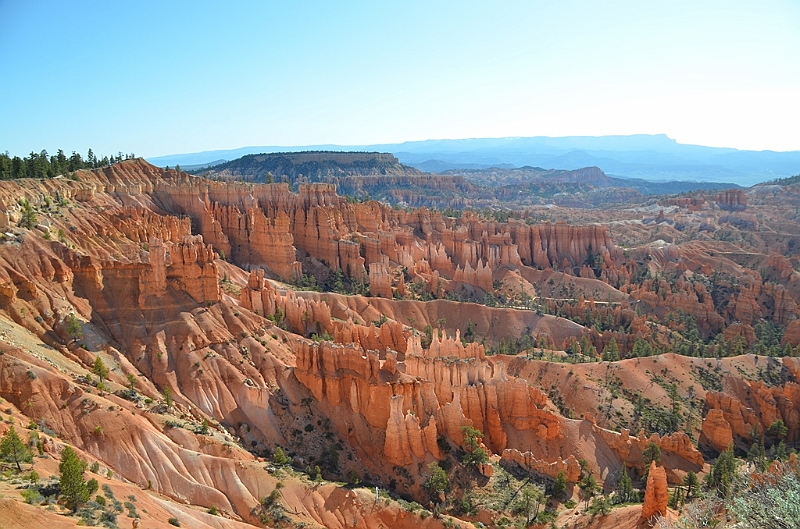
(368, 342)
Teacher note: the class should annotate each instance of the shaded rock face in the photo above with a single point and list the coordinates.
(732, 199)
(731, 417)
(716, 431)
(656, 494)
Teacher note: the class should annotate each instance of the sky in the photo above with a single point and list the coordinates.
(158, 78)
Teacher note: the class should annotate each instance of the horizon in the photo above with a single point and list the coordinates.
(187, 78)
(328, 144)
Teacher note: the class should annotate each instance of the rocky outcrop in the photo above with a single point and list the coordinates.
(716, 431)
(732, 199)
(792, 334)
(561, 246)
(300, 314)
(526, 460)
(191, 269)
(751, 406)
(431, 393)
(656, 494)
(380, 280)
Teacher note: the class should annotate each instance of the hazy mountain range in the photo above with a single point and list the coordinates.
(649, 157)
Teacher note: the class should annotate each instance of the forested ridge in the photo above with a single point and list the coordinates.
(43, 165)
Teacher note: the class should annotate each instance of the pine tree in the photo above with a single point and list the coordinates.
(651, 453)
(167, 396)
(72, 485)
(625, 486)
(530, 503)
(74, 327)
(723, 472)
(691, 483)
(589, 486)
(28, 219)
(100, 369)
(280, 458)
(611, 351)
(13, 450)
(475, 455)
(560, 485)
(437, 483)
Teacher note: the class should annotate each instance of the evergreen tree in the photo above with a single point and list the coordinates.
(589, 487)
(475, 453)
(17, 168)
(625, 486)
(74, 327)
(586, 347)
(777, 429)
(28, 219)
(560, 485)
(723, 472)
(691, 483)
(600, 505)
(72, 486)
(100, 369)
(13, 450)
(280, 458)
(530, 503)
(650, 453)
(469, 334)
(437, 483)
(611, 351)
(167, 396)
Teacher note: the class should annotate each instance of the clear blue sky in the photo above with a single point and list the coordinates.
(158, 78)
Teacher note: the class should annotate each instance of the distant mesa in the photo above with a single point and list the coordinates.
(655, 158)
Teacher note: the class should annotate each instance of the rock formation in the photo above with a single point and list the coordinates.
(656, 494)
(178, 282)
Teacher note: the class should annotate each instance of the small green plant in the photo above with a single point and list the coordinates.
(203, 429)
(174, 521)
(280, 458)
(167, 393)
(28, 219)
(213, 511)
(32, 496)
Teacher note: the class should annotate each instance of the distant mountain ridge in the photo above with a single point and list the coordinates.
(383, 177)
(308, 166)
(648, 157)
(520, 176)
